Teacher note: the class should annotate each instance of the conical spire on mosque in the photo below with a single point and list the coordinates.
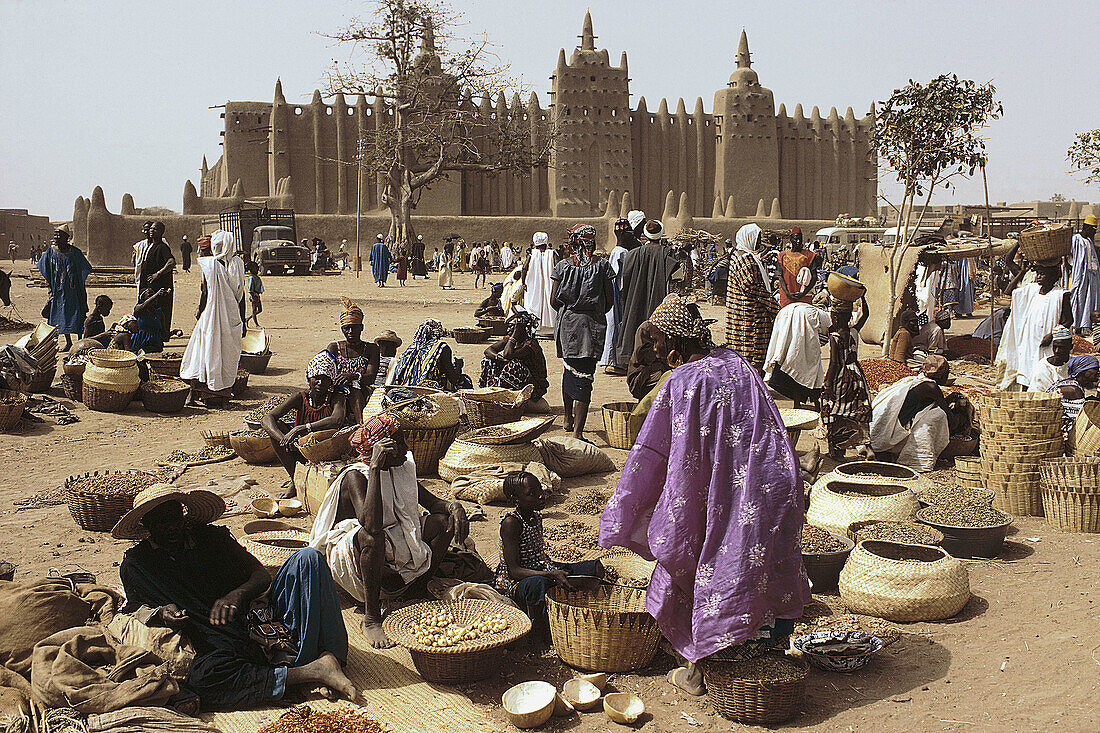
(588, 39)
(586, 51)
(744, 75)
(427, 60)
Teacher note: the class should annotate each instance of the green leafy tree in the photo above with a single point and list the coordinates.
(408, 55)
(926, 135)
(1084, 155)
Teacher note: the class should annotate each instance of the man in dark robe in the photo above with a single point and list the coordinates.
(185, 253)
(646, 271)
(155, 264)
(65, 269)
(193, 576)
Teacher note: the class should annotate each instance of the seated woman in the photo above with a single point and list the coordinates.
(516, 361)
(491, 307)
(901, 346)
(356, 361)
(1084, 370)
(912, 420)
(370, 529)
(429, 362)
(142, 331)
(319, 408)
(525, 572)
(713, 491)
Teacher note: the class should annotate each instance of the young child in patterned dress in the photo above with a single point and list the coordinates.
(525, 573)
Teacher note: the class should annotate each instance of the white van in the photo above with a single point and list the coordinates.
(890, 236)
(831, 238)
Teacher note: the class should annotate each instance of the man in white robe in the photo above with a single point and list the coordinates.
(795, 350)
(214, 350)
(1036, 310)
(536, 299)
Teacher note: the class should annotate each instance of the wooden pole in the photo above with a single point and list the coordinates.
(358, 202)
(989, 241)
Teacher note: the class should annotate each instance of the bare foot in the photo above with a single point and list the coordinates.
(325, 671)
(375, 636)
(689, 679)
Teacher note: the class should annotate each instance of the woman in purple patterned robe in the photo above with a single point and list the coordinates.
(712, 490)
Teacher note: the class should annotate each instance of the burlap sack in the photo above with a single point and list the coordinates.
(85, 669)
(32, 611)
(169, 645)
(569, 457)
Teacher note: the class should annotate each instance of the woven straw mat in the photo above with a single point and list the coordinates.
(393, 694)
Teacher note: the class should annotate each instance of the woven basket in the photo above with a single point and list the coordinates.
(616, 419)
(1019, 400)
(164, 366)
(471, 335)
(833, 511)
(428, 445)
(753, 701)
(1071, 474)
(856, 530)
(1086, 431)
(496, 326)
(445, 410)
(73, 387)
(469, 661)
(1046, 242)
(215, 438)
(1071, 511)
(272, 549)
(41, 381)
(98, 398)
(521, 431)
(332, 444)
(10, 413)
(255, 450)
(99, 512)
(172, 401)
(463, 457)
(493, 406)
(112, 358)
(603, 630)
(903, 583)
(627, 564)
(846, 288)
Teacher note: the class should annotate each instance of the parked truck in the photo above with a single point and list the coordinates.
(266, 236)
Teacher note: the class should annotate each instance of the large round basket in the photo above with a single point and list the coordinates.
(111, 380)
(254, 449)
(603, 630)
(164, 365)
(1071, 494)
(1046, 242)
(496, 326)
(11, 408)
(164, 394)
(903, 583)
(471, 335)
(326, 445)
(96, 397)
(428, 445)
(837, 503)
(272, 549)
(255, 363)
(616, 423)
(112, 358)
(486, 407)
(98, 509)
(468, 661)
(743, 697)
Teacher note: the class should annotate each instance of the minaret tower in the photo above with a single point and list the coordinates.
(591, 109)
(747, 161)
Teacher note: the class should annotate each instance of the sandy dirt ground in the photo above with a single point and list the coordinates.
(1024, 655)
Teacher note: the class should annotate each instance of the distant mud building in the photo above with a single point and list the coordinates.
(732, 162)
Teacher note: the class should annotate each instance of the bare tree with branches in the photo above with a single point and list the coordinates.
(431, 126)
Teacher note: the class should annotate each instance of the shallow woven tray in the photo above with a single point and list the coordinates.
(519, 431)
(465, 662)
(266, 546)
(214, 438)
(203, 462)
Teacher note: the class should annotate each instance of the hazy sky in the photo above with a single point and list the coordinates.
(115, 93)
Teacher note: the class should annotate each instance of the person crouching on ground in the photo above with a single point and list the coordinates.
(193, 576)
(525, 573)
(319, 408)
(370, 529)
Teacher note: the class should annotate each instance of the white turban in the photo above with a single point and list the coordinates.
(540, 239)
(635, 218)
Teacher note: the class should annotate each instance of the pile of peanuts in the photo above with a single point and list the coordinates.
(441, 630)
(881, 372)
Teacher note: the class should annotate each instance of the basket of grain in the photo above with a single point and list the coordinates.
(325, 445)
(903, 583)
(763, 690)
(606, 629)
(11, 408)
(164, 394)
(456, 642)
(98, 500)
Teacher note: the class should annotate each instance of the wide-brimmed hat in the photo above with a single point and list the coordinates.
(202, 507)
(390, 336)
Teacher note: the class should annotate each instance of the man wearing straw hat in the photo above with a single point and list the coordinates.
(193, 576)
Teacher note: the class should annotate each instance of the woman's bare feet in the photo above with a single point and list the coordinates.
(375, 636)
(324, 671)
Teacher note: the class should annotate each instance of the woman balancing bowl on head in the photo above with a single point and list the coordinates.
(319, 408)
(356, 360)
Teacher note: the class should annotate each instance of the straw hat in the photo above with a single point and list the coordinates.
(388, 336)
(202, 506)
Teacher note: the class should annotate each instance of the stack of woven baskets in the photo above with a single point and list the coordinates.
(1019, 430)
(41, 344)
(111, 380)
(1071, 494)
(968, 471)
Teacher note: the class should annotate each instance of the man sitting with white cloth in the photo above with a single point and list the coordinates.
(370, 529)
(912, 419)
